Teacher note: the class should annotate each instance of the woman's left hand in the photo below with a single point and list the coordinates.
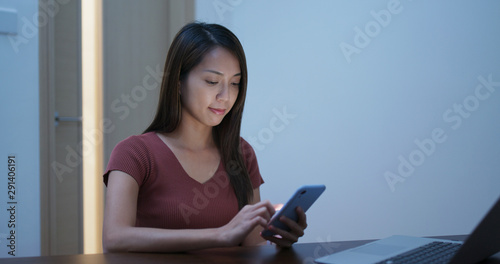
(287, 238)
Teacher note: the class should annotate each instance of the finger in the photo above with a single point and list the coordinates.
(290, 237)
(260, 221)
(269, 206)
(254, 216)
(295, 228)
(262, 204)
(302, 221)
(263, 212)
(278, 241)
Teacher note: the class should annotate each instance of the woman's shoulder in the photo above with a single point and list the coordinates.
(137, 143)
(133, 156)
(250, 160)
(244, 144)
(246, 149)
(137, 140)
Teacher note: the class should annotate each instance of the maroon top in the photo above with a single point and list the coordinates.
(168, 197)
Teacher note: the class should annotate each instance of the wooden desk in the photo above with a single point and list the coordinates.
(303, 253)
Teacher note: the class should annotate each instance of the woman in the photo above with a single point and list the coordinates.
(190, 181)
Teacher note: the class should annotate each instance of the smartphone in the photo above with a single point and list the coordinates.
(304, 197)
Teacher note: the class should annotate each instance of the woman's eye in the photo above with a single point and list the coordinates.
(236, 84)
(211, 83)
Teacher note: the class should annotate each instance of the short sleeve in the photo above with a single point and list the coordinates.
(132, 157)
(251, 164)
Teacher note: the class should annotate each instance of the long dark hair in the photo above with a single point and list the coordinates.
(189, 46)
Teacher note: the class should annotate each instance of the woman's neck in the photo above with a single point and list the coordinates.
(192, 138)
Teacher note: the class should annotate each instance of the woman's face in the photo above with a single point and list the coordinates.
(210, 89)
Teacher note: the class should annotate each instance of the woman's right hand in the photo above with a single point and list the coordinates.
(250, 216)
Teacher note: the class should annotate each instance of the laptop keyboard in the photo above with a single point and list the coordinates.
(435, 252)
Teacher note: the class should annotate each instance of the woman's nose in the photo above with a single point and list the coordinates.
(223, 94)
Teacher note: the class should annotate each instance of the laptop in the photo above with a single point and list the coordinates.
(482, 243)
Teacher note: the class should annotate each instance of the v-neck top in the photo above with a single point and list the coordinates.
(168, 197)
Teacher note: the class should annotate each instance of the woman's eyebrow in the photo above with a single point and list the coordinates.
(220, 73)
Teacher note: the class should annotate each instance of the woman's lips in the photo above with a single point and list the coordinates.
(217, 111)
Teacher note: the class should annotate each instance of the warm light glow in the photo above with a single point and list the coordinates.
(91, 125)
(278, 207)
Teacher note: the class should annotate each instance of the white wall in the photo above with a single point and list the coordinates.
(19, 134)
(352, 117)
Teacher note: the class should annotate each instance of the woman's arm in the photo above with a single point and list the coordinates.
(120, 233)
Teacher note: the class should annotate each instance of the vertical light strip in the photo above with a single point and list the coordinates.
(92, 127)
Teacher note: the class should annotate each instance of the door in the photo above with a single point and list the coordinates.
(61, 171)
